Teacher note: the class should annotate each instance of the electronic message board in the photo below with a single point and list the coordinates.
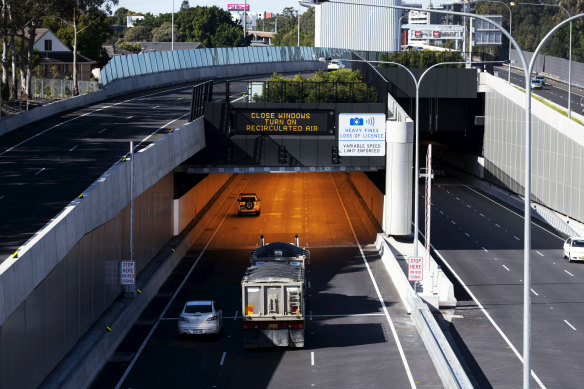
(283, 122)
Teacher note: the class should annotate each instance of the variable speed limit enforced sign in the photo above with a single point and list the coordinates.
(415, 269)
(362, 134)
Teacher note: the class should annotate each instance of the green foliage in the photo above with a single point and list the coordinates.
(343, 85)
(287, 34)
(164, 33)
(421, 59)
(133, 47)
(138, 33)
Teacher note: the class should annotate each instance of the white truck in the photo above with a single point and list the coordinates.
(274, 296)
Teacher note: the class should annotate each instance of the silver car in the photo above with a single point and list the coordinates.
(200, 317)
(574, 249)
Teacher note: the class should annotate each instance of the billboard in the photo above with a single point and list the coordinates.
(237, 7)
(486, 33)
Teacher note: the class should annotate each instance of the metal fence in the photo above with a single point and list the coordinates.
(47, 88)
(311, 92)
(201, 93)
(124, 66)
(555, 67)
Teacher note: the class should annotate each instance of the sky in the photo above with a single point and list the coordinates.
(163, 6)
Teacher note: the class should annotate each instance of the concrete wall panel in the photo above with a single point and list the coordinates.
(557, 143)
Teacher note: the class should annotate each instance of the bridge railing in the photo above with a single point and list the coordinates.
(132, 65)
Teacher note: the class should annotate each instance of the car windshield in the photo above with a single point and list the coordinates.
(202, 308)
(578, 243)
(247, 199)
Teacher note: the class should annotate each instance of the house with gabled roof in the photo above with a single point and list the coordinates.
(57, 58)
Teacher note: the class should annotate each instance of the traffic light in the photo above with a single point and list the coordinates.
(282, 155)
(336, 158)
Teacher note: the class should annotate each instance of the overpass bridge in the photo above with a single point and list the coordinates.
(56, 255)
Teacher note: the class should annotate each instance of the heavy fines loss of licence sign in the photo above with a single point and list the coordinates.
(415, 269)
(362, 134)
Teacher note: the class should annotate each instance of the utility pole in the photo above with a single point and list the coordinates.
(244, 18)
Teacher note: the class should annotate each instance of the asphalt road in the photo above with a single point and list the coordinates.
(553, 91)
(46, 165)
(482, 241)
(350, 341)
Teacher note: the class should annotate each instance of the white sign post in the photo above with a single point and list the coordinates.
(128, 273)
(361, 134)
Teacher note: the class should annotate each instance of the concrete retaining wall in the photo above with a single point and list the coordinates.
(557, 148)
(370, 194)
(186, 208)
(66, 275)
(156, 80)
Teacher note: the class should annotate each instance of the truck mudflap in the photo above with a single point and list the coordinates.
(259, 337)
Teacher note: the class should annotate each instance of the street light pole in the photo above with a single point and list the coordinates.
(569, 55)
(172, 29)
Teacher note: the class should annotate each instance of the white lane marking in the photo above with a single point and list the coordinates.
(568, 272)
(308, 284)
(497, 225)
(129, 117)
(235, 316)
(506, 268)
(453, 222)
(40, 171)
(467, 235)
(534, 292)
(393, 330)
(161, 128)
(481, 215)
(571, 326)
(513, 212)
(442, 212)
(88, 113)
(1, 197)
(516, 237)
(457, 199)
(312, 358)
(105, 129)
(223, 358)
(73, 148)
(155, 326)
(180, 98)
(467, 289)
(468, 206)
(486, 251)
(156, 106)
(310, 315)
(539, 253)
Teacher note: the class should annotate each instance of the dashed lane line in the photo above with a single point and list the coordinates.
(571, 326)
(569, 273)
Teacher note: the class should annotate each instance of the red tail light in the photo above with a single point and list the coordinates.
(297, 325)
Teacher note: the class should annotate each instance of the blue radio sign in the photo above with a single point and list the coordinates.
(361, 134)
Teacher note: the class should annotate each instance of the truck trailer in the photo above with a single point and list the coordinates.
(274, 296)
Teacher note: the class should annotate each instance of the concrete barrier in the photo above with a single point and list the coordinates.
(445, 360)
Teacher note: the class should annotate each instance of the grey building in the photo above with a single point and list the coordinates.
(365, 25)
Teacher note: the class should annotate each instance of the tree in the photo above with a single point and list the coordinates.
(164, 33)
(137, 34)
(211, 26)
(185, 5)
(81, 14)
(120, 16)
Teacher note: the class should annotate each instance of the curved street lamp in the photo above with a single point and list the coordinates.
(513, 4)
(527, 204)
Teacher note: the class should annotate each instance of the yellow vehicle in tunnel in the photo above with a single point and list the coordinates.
(248, 204)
